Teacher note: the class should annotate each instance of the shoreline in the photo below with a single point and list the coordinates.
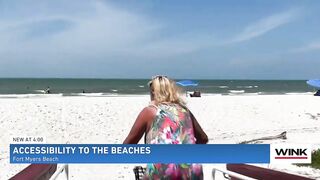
(35, 95)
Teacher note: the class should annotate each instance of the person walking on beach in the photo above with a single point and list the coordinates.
(47, 91)
(167, 120)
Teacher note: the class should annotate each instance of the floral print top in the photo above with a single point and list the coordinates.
(172, 125)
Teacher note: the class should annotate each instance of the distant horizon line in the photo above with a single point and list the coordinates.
(112, 78)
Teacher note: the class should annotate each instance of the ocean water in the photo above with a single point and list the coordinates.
(75, 87)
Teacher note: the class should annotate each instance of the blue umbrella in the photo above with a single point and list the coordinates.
(185, 83)
(315, 83)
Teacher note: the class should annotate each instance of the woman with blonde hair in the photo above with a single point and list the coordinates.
(167, 120)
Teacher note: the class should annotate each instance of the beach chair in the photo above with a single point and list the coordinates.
(261, 173)
(139, 172)
(196, 94)
(36, 172)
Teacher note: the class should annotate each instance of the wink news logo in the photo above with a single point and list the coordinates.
(290, 153)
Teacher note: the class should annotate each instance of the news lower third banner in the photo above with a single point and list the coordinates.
(138, 153)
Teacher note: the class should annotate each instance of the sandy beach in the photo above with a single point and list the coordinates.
(225, 119)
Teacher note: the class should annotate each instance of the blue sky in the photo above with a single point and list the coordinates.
(183, 39)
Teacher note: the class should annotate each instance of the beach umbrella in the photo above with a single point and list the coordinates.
(186, 83)
(315, 83)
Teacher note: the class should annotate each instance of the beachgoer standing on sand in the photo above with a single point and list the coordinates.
(167, 121)
(47, 91)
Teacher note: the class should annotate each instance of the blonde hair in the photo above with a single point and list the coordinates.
(165, 90)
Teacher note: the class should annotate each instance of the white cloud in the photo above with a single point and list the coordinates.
(264, 25)
(309, 47)
(105, 32)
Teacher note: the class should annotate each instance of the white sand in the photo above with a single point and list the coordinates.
(226, 119)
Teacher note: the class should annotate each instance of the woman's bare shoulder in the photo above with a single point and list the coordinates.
(152, 105)
(149, 110)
